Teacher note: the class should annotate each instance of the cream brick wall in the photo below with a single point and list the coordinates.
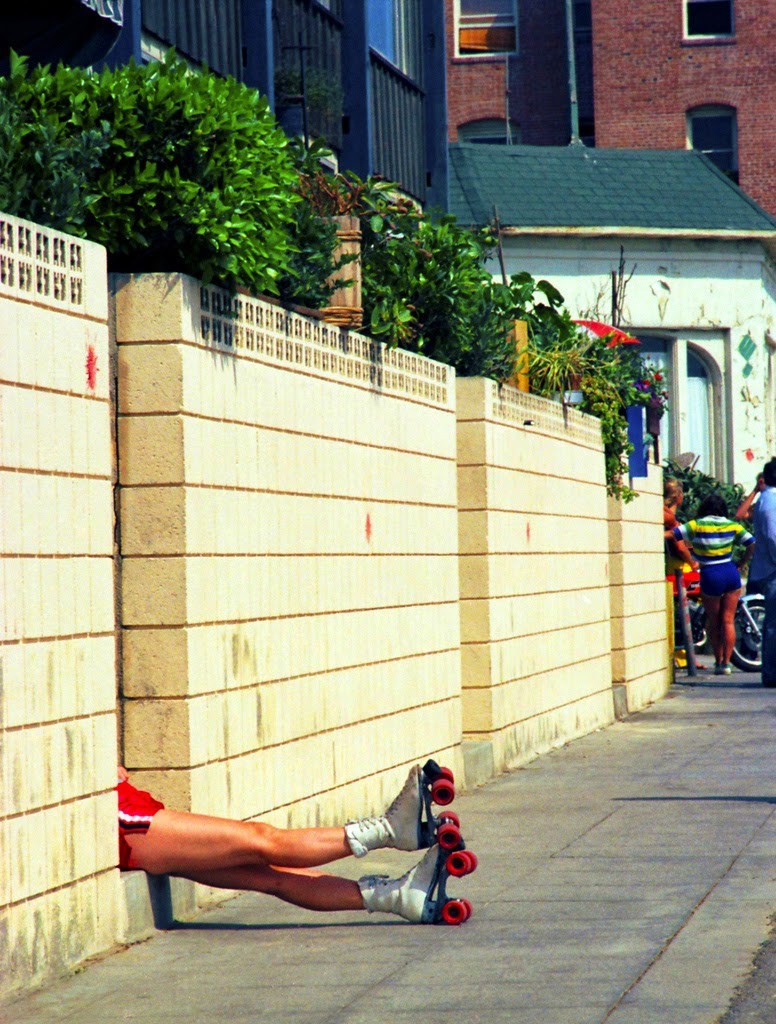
(59, 892)
(640, 645)
(289, 570)
(534, 572)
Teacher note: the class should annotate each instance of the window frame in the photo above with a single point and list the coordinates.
(705, 37)
(486, 21)
(489, 131)
(715, 110)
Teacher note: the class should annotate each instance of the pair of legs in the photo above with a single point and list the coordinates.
(720, 615)
(769, 632)
(248, 855)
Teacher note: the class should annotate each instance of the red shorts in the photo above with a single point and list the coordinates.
(136, 809)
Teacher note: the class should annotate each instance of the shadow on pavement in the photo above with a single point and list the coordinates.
(696, 799)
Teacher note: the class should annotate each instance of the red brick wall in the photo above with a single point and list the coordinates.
(538, 78)
(647, 77)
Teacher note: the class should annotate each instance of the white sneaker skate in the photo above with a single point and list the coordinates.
(401, 827)
(409, 823)
(419, 896)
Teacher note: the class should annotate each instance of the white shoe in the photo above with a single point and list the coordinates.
(399, 828)
(409, 896)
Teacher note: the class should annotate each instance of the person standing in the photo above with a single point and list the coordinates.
(676, 551)
(712, 536)
(762, 573)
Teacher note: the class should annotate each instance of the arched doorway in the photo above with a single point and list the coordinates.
(691, 423)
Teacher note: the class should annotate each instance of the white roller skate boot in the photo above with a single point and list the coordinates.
(401, 827)
(409, 896)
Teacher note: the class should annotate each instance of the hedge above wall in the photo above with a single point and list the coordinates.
(168, 168)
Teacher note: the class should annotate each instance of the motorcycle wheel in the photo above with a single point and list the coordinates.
(698, 626)
(747, 652)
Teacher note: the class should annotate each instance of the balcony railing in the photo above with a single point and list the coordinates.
(203, 35)
(318, 29)
(399, 127)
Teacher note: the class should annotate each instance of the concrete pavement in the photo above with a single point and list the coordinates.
(626, 878)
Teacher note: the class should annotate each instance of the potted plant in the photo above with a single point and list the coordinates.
(556, 370)
(652, 392)
(322, 97)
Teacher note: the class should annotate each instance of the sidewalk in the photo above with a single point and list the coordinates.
(626, 878)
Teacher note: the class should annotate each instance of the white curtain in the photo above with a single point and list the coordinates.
(698, 420)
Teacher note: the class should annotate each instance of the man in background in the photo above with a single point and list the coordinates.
(762, 574)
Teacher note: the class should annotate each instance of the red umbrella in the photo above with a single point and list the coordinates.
(600, 330)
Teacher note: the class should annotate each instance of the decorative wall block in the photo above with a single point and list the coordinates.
(57, 614)
(289, 542)
(533, 571)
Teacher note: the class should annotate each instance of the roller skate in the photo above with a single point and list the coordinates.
(409, 823)
(420, 896)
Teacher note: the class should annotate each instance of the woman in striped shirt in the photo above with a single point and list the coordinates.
(712, 536)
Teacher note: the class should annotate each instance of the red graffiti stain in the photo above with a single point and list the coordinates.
(749, 455)
(528, 532)
(368, 529)
(91, 368)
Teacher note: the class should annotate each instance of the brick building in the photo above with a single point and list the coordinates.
(512, 54)
(695, 72)
(651, 74)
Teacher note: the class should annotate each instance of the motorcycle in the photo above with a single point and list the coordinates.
(748, 622)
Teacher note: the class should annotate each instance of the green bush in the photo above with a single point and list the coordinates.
(170, 169)
(697, 486)
(426, 289)
(424, 283)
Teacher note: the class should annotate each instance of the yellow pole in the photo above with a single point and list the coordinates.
(520, 334)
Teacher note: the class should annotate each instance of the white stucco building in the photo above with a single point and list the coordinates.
(699, 262)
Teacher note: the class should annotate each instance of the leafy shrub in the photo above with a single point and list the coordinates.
(426, 289)
(424, 284)
(168, 168)
(44, 163)
(697, 486)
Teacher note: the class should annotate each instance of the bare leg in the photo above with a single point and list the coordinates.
(711, 604)
(178, 843)
(727, 627)
(302, 887)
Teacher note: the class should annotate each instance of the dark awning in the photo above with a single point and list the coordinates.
(79, 32)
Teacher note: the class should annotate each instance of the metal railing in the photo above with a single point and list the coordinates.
(318, 30)
(399, 127)
(205, 32)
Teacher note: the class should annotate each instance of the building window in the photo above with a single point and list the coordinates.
(394, 29)
(713, 131)
(494, 131)
(709, 18)
(587, 131)
(487, 27)
(696, 426)
(583, 16)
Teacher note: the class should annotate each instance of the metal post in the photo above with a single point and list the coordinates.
(572, 63)
(303, 85)
(685, 625)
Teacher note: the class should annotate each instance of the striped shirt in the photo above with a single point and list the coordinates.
(712, 538)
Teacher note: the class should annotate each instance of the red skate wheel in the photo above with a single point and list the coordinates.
(454, 912)
(472, 859)
(446, 773)
(450, 816)
(469, 909)
(449, 836)
(443, 792)
(459, 863)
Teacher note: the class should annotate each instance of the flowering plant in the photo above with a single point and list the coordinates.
(652, 387)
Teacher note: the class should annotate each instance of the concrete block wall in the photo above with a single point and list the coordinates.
(534, 572)
(289, 557)
(59, 882)
(641, 660)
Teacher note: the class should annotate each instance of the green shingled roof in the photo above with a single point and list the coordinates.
(574, 186)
